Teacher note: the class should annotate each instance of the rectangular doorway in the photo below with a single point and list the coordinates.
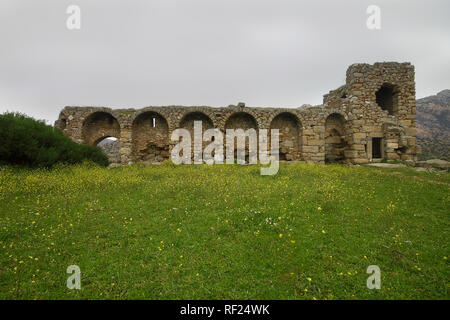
(376, 148)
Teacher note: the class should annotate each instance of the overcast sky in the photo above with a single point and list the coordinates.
(266, 53)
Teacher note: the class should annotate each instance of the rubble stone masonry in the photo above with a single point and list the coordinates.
(370, 118)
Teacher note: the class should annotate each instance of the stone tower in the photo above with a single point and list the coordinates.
(378, 108)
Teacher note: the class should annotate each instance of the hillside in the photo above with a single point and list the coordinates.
(433, 125)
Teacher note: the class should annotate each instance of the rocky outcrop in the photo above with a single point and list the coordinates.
(433, 126)
(112, 149)
(434, 163)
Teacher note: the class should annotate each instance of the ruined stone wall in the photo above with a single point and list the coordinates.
(149, 138)
(375, 109)
(290, 130)
(378, 103)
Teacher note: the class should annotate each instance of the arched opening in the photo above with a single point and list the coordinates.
(62, 124)
(241, 120)
(188, 123)
(290, 135)
(111, 147)
(387, 98)
(98, 126)
(244, 121)
(335, 143)
(150, 138)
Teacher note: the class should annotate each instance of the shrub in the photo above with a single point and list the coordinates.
(25, 141)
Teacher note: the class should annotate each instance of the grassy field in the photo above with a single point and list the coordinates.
(224, 232)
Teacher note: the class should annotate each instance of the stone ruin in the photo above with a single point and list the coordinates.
(370, 118)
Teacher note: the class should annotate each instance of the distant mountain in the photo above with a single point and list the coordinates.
(433, 126)
(112, 149)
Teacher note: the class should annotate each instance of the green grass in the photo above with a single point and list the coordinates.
(223, 232)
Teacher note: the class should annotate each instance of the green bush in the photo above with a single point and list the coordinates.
(25, 141)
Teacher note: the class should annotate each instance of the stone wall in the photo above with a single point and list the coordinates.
(335, 138)
(149, 138)
(373, 114)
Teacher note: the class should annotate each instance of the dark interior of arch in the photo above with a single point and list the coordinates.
(150, 136)
(100, 125)
(188, 123)
(335, 144)
(241, 120)
(62, 123)
(290, 141)
(386, 98)
(244, 121)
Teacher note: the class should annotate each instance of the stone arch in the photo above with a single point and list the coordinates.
(99, 125)
(290, 129)
(241, 120)
(150, 138)
(335, 144)
(387, 98)
(187, 122)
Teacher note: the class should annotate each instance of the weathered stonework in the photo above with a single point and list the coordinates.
(370, 118)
